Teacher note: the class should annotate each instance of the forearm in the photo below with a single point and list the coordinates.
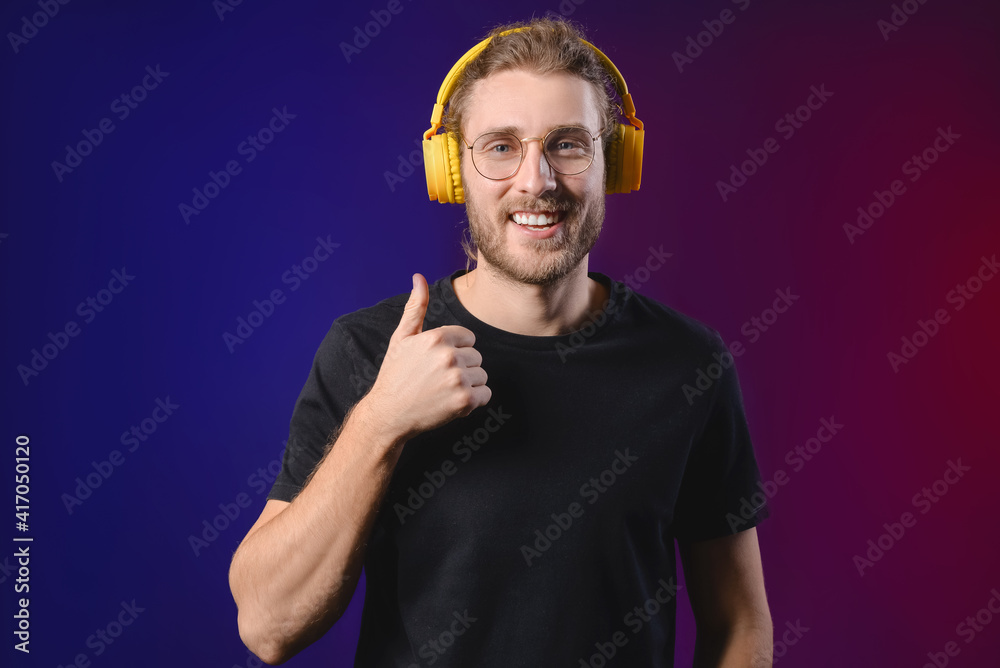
(748, 645)
(293, 578)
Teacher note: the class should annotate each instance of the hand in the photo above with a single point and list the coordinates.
(427, 379)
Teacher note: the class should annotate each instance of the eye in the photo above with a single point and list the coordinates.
(569, 140)
(497, 145)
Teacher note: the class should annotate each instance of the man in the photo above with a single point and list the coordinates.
(526, 517)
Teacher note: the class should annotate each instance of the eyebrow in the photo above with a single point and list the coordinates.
(515, 130)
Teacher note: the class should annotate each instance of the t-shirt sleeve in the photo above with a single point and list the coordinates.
(330, 390)
(719, 493)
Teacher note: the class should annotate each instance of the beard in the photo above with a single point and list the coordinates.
(536, 261)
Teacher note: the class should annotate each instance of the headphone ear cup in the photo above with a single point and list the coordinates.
(455, 169)
(443, 169)
(614, 161)
(435, 169)
(625, 160)
(628, 146)
(633, 159)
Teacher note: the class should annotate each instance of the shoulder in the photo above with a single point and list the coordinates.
(377, 320)
(675, 327)
(381, 319)
(365, 332)
(351, 352)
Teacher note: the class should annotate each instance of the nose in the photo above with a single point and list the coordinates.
(536, 175)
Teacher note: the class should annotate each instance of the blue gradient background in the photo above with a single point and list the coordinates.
(324, 175)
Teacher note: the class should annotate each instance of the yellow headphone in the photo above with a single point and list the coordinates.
(441, 151)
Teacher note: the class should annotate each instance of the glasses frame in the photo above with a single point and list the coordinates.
(521, 141)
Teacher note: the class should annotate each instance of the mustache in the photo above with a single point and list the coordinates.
(542, 205)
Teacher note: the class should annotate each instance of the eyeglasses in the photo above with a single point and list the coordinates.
(498, 155)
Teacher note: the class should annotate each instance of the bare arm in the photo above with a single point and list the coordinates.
(294, 574)
(725, 581)
(296, 570)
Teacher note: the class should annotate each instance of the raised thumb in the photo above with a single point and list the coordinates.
(412, 321)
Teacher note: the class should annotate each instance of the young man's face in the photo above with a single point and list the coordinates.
(533, 105)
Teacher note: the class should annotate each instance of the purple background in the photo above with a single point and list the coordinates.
(324, 176)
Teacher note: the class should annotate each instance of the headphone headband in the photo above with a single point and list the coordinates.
(450, 81)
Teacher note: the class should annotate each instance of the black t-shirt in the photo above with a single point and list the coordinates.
(539, 529)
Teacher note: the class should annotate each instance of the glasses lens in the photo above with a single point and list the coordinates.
(570, 150)
(496, 155)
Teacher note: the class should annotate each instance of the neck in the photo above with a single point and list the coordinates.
(532, 310)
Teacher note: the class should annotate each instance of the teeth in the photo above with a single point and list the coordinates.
(533, 220)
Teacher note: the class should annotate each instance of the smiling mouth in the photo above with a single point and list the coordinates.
(538, 220)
